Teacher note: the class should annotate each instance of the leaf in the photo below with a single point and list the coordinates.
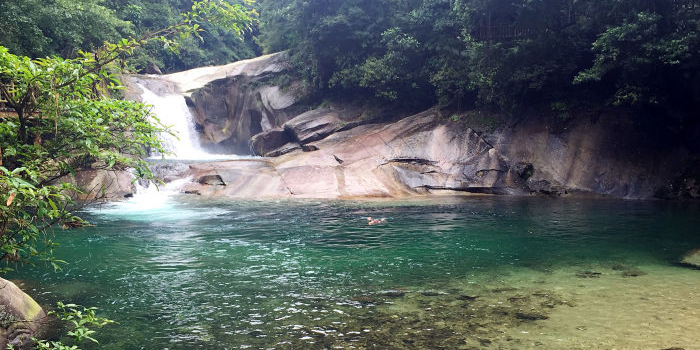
(11, 198)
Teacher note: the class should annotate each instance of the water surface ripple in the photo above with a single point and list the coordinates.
(187, 273)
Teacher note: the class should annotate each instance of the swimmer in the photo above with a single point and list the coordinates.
(371, 221)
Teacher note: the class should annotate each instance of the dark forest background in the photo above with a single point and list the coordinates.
(500, 54)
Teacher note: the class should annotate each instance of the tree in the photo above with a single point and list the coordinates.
(500, 54)
(38, 28)
(63, 27)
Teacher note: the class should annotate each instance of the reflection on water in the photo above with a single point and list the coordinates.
(179, 272)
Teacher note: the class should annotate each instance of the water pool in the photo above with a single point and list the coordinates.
(180, 272)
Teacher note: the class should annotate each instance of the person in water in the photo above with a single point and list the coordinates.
(371, 221)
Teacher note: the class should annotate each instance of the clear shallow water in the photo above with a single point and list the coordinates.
(178, 272)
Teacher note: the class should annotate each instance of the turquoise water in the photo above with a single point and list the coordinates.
(178, 272)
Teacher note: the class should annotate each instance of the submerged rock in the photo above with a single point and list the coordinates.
(691, 259)
(530, 315)
(633, 273)
(466, 297)
(393, 293)
(432, 293)
(588, 274)
(21, 318)
(363, 299)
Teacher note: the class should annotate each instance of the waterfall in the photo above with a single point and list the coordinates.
(172, 111)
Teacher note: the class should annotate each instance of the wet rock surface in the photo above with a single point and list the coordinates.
(417, 155)
(21, 318)
(232, 103)
(313, 125)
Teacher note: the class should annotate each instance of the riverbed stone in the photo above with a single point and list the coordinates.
(393, 293)
(21, 318)
(691, 259)
(588, 274)
(530, 315)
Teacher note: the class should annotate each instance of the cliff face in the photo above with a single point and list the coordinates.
(348, 150)
(424, 154)
(233, 103)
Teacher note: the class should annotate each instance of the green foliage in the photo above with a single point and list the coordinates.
(41, 28)
(495, 53)
(64, 124)
(81, 322)
(652, 56)
(562, 109)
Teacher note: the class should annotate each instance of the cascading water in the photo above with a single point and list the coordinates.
(182, 145)
(172, 111)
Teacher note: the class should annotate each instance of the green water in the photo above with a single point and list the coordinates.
(178, 272)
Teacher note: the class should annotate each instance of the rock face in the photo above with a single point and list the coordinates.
(102, 184)
(608, 155)
(348, 150)
(21, 318)
(313, 125)
(238, 102)
(267, 141)
(417, 155)
(426, 154)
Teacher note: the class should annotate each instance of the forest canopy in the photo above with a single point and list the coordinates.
(40, 28)
(502, 54)
(497, 53)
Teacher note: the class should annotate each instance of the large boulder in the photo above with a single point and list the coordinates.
(232, 103)
(269, 141)
(102, 184)
(313, 125)
(21, 318)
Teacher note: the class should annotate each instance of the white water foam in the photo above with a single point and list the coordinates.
(148, 202)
